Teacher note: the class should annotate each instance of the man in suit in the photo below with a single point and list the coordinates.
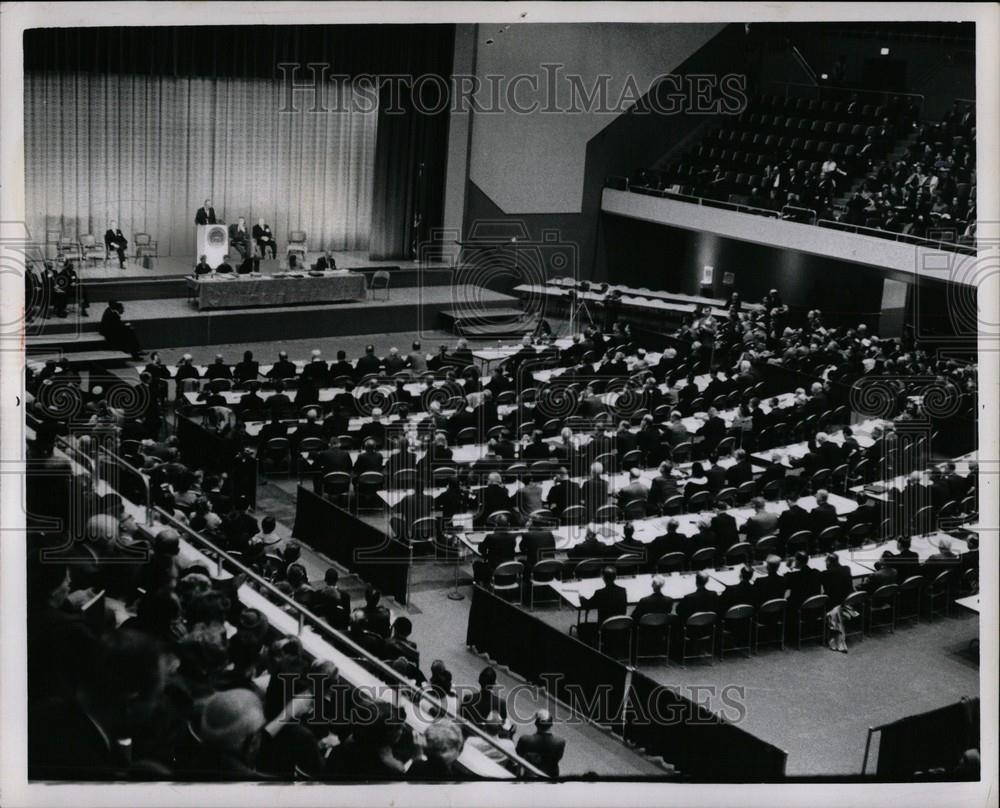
(283, 368)
(264, 239)
(712, 431)
(793, 519)
(654, 603)
(609, 601)
(329, 460)
(312, 428)
(537, 543)
(275, 428)
(944, 559)
(316, 370)
(202, 267)
(115, 241)
(702, 599)
(662, 487)
(368, 364)
(715, 474)
(278, 403)
(634, 490)
(218, 369)
(205, 214)
(537, 449)
(462, 354)
(247, 370)
(724, 527)
(824, 515)
(740, 593)
(670, 542)
(376, 616)
(762, 522)
(676, 432)
(741, 471)
(496, 549)
(884, 575)
(771, 585)
(415, 360)
(957, 486)
(494, 497)
(564, 492)
(543, 749)
(440, 360)
(239, 237)
(803, 582)
(370, 459)
(595, 490)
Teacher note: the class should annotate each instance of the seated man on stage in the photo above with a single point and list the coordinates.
(239, 237)
(225, 267)
(326, 262)
(115, 241)
(205, 214)
(202, 267)
(264, 239)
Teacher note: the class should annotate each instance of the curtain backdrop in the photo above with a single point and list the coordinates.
(147, 150)
(142, 124)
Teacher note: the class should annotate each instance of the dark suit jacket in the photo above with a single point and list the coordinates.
(330, 460)
(201, 217)
(493, 498)
(537, 544)
(653, 603)
(793, 520)
(562, 494)
(609, 601)
(802, 584)
(724, 527)
(769, 587)
(837, 584)
(740, 473)
(701, 600)
(738, 594)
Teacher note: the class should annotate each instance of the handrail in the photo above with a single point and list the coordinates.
(697, 200)
(793, 208)
(804, 63)
(316, 622)
(905, 238)
(820, 88)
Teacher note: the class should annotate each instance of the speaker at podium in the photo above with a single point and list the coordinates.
(213, 243)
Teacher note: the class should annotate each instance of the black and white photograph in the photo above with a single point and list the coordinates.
(499, 404)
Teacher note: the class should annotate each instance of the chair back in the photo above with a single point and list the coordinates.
(589, 568)
(739, 553)
(705, 557)
(798, 542)
(741, 611)
(700, 500)
(912, 583)
(673, 505)
(856, 600)
(312, 445)
(336, 482)
(670, 562)
(296, 237)
(141, 239)
(884, 595)
(815, 603)
(772, 608)
(574, 515)
(508, 575)
(656, 620)
(551, 569)
(700, 620)
(278, 445)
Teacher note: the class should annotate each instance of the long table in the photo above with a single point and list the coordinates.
(237, 291)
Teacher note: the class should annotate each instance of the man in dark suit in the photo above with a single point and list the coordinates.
(494, 497)
(275, 428)
(496, 549)
(340, 368)
(824, 515)
(944, 559)
(884, 575)
(662, 487)
(724, 526)
(538, 449)
(543, 749)
(370, 459)
(595, 490)
(283, 368)
(771, 585)
(702, 599)
(537, 543)
(205, 214)
(462, 354)
(609, 601)
(251, 405)
(564, 492)
(761, 523)
(716, 475)
(316, 369)
(239, 237)
(803, 582)
(670, 542)
(264, 239)
(654, 603)
(741, 471)
(957, 486)
(376, 615)
(712, 431)
(278, 403)
(905, 561)
(247, 370)
(367, 364)
(740, 593)
(115, 241)
(793, 519)
(218, 369)
(329, 460)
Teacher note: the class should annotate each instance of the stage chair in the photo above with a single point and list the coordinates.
(69, 249)
(297, 245)
(145, 246)
(91, 250)
(380, 280)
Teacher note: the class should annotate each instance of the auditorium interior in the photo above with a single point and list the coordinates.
(633, 442)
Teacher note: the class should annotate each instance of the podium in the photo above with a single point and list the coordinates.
(213, 243)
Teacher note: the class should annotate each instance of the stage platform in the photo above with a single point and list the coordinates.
(166, 278)
(175, 322)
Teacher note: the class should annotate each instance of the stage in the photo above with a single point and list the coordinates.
(166, 278)
(175, 322)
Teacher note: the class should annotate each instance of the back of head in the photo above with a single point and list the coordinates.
(229, 718)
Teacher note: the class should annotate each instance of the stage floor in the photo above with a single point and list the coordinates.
(170, 266)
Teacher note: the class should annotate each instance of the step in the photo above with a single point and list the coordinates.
(82, 359)
(72, 341)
